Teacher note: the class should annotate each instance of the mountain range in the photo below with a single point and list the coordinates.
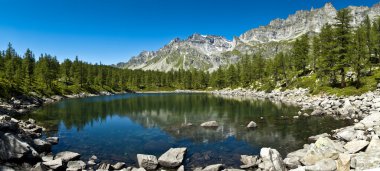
(208, 52)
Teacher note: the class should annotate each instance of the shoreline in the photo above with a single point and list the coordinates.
(338, 143)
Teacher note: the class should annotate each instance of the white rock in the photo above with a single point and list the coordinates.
(172, 158)
(148, 162)
(252, 125)
(210, 124)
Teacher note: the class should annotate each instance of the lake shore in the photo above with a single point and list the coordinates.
(356, 146)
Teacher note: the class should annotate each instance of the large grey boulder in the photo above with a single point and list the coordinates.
(272, 160)
(148, 162)
(322, 149)
(210, 124)
(355, 146)
(67, 156)
(365, 160)
(11, 147)
(54, 164)
(76, 165)
(41, 145)
(346, 134)
(371, 120)
(172, 158)
(322, 165)
(374, 145)
(292, 162)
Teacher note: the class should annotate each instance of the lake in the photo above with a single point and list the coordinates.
(116, 128)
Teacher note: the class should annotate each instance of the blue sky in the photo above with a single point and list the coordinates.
(112, 31)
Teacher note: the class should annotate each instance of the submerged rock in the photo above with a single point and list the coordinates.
(172, 158)
(252, 125)
(214, 167)
(210, 124)
(148, 162)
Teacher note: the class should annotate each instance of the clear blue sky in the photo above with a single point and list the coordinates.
(112, 31)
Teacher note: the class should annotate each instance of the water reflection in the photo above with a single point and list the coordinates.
(118, 127)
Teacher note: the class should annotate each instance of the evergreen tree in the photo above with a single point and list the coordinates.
(300, 53)
(28, 65)
(343, 36)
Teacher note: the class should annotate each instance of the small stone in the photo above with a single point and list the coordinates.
(214, 167)
(118, 165)
(251, 125)
(52, 140)
(76, 165)
(53, 164)
(210, 124)
(67, 156)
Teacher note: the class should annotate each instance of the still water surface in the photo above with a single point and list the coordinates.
(116, 128)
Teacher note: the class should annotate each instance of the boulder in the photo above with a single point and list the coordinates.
(252, 125)
(365, 160)
(374, 145)
(343, 162)
(54, 164)
(322, 149)
(67, 156)
(148, 162)
(323, 165)
(355, 145)
(39, 167)
(172, 158)
(76, 165)
(371, 120)
(104, 166)
(52, 140)
(11, 147)
(292, 162)
(272, 160)
(315, 137)
(181, 168)
(214, 167)
(317, 112)
(41, 145)
(48, 157)
(347, 134)
(210, 124)
(118, 165)
(248, 161)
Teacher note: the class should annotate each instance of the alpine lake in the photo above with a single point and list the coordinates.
(118, 127)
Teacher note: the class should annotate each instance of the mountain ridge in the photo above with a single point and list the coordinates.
(208, 52)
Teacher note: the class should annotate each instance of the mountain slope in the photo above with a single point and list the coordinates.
(208, 52)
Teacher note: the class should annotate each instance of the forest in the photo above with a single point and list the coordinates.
(340, 57)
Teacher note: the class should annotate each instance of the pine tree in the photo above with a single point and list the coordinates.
(328, 56)
(65, 71)
(343, 36)
(361, 55)
(300, 53)
(28, 65)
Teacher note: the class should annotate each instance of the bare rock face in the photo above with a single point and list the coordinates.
(172, 158)
(148, 162)
(11, 147)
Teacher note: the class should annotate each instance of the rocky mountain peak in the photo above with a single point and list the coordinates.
(208, 52)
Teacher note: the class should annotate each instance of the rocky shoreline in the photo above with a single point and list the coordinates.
(355, 147)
